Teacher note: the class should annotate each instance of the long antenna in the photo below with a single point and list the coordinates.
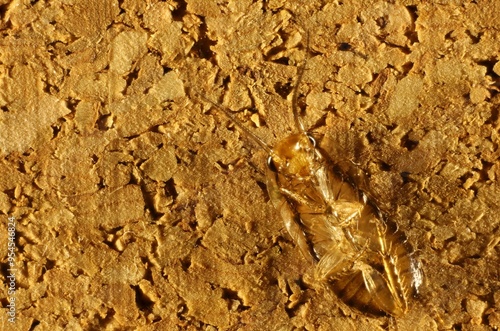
(226, 111)
(237, 122)
(298, 121)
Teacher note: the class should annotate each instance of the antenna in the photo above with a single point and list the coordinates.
(238, 123)
(298, 121)
(227, 112)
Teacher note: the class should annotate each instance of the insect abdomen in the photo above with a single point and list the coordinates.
(383, 284)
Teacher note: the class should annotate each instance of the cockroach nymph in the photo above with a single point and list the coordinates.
(336, 227)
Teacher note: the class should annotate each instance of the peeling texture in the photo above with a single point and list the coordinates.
(140, 206)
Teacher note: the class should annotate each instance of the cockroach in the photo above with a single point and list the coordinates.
(334, 224)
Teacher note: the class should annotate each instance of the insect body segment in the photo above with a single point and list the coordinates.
(335, 226)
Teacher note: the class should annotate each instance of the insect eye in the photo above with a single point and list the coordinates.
(271, 165)
(312, 140)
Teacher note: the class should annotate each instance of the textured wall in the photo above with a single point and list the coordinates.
(141, 207)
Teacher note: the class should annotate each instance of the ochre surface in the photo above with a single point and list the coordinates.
(141, 207)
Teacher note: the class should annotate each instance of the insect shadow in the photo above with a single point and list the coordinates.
(365, 262)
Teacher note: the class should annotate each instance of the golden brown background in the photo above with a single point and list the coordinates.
(140, 208)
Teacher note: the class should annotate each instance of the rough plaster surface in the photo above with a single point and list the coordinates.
(141, 207)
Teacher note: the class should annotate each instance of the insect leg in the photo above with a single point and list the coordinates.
(333, 265)
(289, 217)
(305, 205)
